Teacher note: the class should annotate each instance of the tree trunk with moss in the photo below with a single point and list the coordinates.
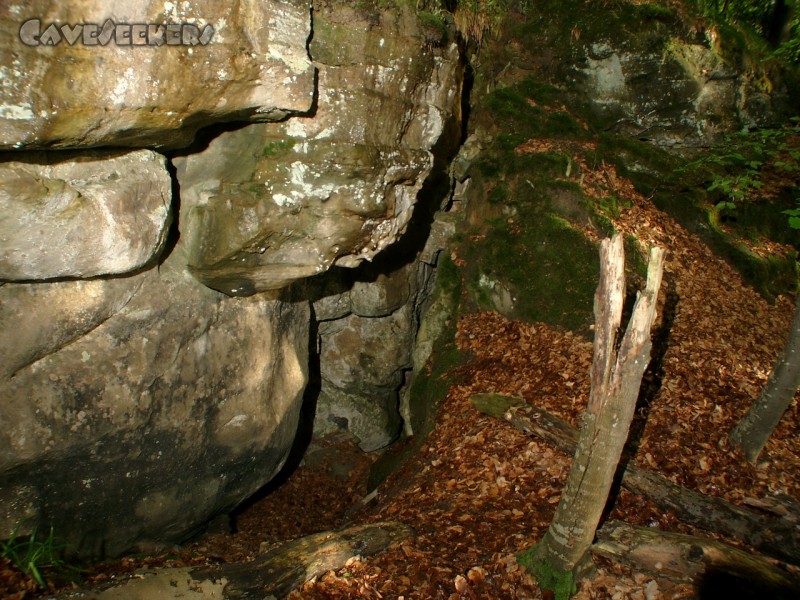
(616, 377)
(752, 433)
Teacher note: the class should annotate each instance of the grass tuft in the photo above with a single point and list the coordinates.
(33, 554)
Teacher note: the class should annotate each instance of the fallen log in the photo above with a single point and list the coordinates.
(773, 536)
(281, 570)
(777, 537)
(717, 570)
(530, 420)
(272, 575)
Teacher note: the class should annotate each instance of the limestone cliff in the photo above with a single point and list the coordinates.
(154, 322)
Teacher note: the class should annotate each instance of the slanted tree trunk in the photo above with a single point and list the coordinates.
(752, 433)
(776, 534)
(616, 377)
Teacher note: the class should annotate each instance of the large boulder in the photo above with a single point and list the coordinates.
(137, 409)
(138, 401)
(77, 74)
(81, 215)
(272, 203)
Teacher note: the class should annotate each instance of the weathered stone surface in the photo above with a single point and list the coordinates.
(729, 96)
(149, 406)
(255, 66)
(291, 217)
(272, 203)
(138, 406)
(677, 94)
(330, 294)
(362, 362)
(382, 295)
(365, 357)
(370, 415)
(81, 215)
(37, 320)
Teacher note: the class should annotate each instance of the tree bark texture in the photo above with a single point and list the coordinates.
(752, 432)
(616, 377)
(717, 570)
(281, 570)
(777, 537)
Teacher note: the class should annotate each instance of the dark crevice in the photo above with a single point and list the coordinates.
(466, 103)
(174, 233)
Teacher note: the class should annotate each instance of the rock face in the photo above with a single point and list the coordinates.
(363, 359)
(138, 401)
(272, 203)
(679, 93)
(97, 214)
(645, 72)
(368, 326)
(76, 74)
(145, 423)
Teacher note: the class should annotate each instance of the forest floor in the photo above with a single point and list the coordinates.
(480, 491)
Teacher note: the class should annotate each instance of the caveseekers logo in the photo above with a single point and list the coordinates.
(122, 34)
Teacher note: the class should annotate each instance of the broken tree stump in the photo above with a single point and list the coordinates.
(717, 570)
(616, 376)
(282, 569)
(777, 537)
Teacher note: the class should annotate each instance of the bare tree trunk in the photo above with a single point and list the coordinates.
(616, 377)
(775, 534)
(752, 433)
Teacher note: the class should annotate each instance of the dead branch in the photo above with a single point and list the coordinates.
(702, 561)
(288, 566)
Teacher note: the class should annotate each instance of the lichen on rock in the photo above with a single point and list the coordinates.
(273, 203)
(106, 89)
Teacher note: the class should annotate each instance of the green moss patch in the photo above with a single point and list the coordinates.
(529, 259)
(531, 109)
(546, 266)
(548, 578)
(277, 148)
